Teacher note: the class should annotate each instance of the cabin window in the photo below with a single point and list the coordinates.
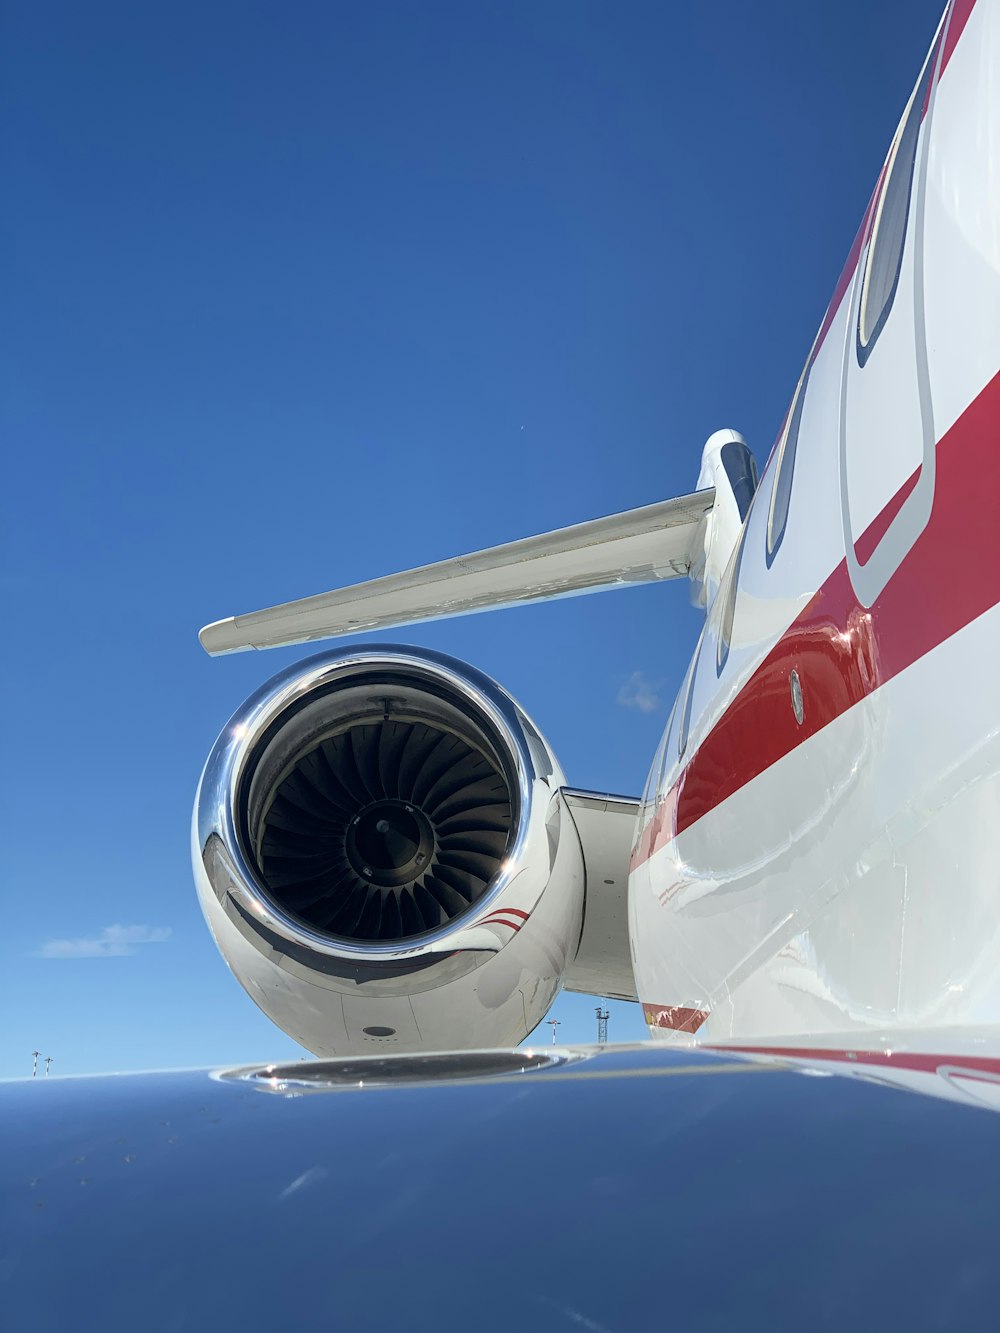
(661, 769)
(741, 469)
(884, 258)
(682, 730)
(727, 602)
(784, 468)
(656, 768)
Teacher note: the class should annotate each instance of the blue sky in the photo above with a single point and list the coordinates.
(299, 295)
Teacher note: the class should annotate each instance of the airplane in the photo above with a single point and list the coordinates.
(389, 855)
(803, 900)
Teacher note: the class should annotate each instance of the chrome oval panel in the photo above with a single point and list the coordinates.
(373, 1071)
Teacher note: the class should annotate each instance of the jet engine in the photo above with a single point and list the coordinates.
(384, 855)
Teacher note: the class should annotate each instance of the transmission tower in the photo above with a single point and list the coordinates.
(602, 1025)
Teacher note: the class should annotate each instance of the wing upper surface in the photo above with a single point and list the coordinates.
(643, 545)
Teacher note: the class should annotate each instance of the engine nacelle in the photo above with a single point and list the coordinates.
(384, 857)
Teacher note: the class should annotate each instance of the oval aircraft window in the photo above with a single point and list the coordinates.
(682, 731)
(884, 257)
(656, 768)
(727, 597)
(741, 469)
(663, 762)
(784, 468)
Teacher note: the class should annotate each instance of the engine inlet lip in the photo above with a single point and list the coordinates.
(232, 759)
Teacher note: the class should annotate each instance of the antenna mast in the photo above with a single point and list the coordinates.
(602, 1025)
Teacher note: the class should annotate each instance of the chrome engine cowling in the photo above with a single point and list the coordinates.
(384, 858)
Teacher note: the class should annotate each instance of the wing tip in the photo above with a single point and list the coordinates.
(221, 637)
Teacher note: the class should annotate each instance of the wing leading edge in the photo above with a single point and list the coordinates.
(645, 545)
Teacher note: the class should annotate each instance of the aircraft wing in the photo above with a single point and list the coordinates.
(874, 1201)
(603, 963)
(643, 545)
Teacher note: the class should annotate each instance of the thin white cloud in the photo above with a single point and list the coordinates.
(310, 1177)
(640, 692)
(113, 942)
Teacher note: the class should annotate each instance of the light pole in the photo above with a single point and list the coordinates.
(602, 1025)
(34, 1062)
(553, 1024)
(48, 1061)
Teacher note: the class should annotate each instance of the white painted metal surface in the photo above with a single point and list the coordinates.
(642, 546)
(851, 883)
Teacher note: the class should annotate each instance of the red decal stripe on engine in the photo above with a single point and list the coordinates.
(498, 918)
(843, 652)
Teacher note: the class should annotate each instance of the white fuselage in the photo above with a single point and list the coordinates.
(819, 853)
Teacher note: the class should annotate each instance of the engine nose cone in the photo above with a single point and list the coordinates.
(390, 843)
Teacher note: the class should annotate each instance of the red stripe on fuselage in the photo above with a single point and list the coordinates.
(833, 631)
(843, 652)
(910, 1060)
